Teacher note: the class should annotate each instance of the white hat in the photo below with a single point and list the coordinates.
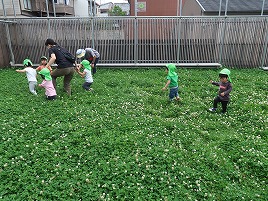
(80, 53)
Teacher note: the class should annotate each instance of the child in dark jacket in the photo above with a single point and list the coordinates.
(225, 87)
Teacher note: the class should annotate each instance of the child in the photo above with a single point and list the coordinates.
(43, 64)
(225, 87)
(172, 82)
(31, 75)
(86, 74)
(47, 84)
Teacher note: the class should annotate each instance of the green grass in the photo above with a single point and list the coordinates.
(126, 142)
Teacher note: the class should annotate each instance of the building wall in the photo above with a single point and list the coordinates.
(81, 8)
(9, 7)
(156, 7)
(191, 8)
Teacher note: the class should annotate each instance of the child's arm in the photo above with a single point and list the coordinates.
(49, 68)
(215, 83)
(42, 84)
(229, 89)
(82, 74)
(166, 86)
(21, 71)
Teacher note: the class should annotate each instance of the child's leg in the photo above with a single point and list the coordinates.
(86, 86)
(177, 95)
(224, 106)
(32, 86)
(216, 101)
(172, 93)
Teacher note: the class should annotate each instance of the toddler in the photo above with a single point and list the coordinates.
(172, 82)
(225, 87)
(30, 74)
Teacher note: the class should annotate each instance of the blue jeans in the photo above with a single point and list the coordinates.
(173, 92)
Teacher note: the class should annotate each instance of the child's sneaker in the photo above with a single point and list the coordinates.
(212, 109)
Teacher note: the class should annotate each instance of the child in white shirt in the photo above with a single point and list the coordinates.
(86, 74)
(31, 75)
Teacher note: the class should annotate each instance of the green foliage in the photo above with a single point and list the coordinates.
(125, 141)
(117, 11)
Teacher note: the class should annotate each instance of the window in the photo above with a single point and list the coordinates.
(27, 4)
(66, 2)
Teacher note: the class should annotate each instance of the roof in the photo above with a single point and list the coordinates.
(233, 5)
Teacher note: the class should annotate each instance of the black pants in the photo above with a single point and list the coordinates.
(51, 97)
(223, 103)
(94, 70)
(87, 85)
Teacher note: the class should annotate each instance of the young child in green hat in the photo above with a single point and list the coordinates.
(85, 74)
(172, 82)
(225, 87)
(47, 84)
(30, 74)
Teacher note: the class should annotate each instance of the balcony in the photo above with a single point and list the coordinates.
(40, 6)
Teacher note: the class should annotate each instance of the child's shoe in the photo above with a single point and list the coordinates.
(212, 109)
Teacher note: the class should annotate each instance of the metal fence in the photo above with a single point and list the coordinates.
(239, 42)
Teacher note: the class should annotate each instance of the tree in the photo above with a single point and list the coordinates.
(117, 11)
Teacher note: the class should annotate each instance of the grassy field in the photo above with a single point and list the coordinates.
(126, 142)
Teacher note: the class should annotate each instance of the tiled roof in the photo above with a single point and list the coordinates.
(233, 5)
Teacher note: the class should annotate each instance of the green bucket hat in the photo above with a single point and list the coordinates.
(171, 69)
(86, 64)
(27, 62)
(227, 72)
(46, 73)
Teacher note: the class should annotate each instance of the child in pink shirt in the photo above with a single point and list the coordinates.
(47, 84)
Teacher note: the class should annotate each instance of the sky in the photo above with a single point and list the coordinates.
(114, 1)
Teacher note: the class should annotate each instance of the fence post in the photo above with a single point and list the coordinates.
(264, 48)
(9, 45)
(179, 41)
(222, 39)
(136, 34)
(92, 32)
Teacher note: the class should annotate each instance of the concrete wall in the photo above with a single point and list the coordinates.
(191, 8)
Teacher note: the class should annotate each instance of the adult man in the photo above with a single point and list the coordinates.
(91, 55)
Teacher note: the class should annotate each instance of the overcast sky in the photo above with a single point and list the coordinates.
(114, 1)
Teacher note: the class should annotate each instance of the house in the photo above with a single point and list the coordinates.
(36, 8)
(155, 7)
(44, 8)
(234, 7)
(85, 8)
(106, 7)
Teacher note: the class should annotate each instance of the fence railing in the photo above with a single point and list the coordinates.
(232, 41)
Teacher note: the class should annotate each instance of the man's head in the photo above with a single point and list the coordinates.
(80, 53)
(50, 42)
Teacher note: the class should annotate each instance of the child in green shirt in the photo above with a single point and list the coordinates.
(172, 82)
